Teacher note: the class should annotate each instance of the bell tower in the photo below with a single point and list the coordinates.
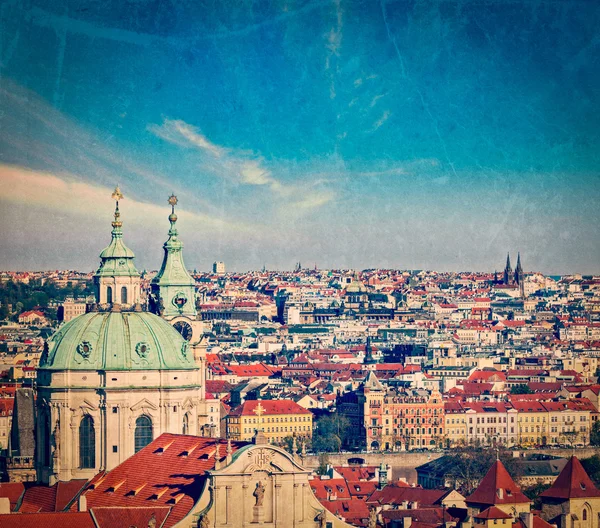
(173, 290)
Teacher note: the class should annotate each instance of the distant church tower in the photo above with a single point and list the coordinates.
(508, 274)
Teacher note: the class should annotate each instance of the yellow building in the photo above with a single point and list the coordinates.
(532, 422)
(277, 419)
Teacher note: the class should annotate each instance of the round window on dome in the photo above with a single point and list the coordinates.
(142, 349)
(84, 349)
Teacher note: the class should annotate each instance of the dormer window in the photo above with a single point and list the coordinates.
(500, 493)
(582, 485)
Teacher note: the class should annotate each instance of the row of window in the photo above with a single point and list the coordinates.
(87, 439)
(109, 295)
(276, 419)
(296, 428)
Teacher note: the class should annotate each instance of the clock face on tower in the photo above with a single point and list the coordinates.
(185, 329)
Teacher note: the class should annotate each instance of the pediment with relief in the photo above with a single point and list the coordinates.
(262, 458)
(144, 404)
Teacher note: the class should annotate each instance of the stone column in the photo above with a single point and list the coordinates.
(227, 504)
(276, 500)
(295, 503)
(303, 502)
(244, 495)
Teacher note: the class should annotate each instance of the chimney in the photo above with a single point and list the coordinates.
(407, 522)
(4, 505)
(82, 504)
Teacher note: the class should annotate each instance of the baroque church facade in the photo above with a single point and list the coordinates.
(115, 378)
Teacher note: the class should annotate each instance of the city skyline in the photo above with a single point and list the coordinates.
(401, 135)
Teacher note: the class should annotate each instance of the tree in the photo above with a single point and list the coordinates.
(521, 389)
(592, 467)
(595, 434)
(533, 493)
(323, 463)
(468, 466)
(330, 432)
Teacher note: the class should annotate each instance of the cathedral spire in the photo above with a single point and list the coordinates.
(508, 275)
(173, 288)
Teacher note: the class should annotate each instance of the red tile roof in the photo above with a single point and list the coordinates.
(168, 472)
(327, 488)
(572, 483)
(497, 487)
(12, 491)
(397, 494)
(48, 520)
(50, 499)
(492, 512)
(270, 407)
(117, 517)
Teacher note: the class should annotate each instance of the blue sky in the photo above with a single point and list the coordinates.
(423, 134)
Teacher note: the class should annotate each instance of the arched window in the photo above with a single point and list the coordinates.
(87, 443)
(123, 295)
(186, 424)
(584, 514)
(109, 294)
(143, 432)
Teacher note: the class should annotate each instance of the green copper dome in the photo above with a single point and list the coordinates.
(117, 341)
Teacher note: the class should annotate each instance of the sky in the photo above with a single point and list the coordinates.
(344, 134)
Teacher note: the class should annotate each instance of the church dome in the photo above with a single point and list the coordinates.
(117, 341)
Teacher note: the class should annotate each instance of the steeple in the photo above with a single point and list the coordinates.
(519, 270)
(117, 280)
(173, 288)
(508, 276)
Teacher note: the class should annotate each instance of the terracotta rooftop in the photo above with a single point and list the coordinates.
(249, 408)
(497, 487)
(573, 482)
(168, 473)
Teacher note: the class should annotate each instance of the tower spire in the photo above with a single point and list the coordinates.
(173, 288)
(508, 276)
(117, 279)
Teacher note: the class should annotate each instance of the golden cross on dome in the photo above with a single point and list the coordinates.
(173, 200)
(117, 194)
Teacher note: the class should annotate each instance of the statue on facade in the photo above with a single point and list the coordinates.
(322, 519)
(152, 521)
(203, 521)
(372, 518)
(259, 493)
(56, 439)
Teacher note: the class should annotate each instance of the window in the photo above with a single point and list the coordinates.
(143, 432)
(123, 295)
(186, 424)
(109, 294)
(87, 443)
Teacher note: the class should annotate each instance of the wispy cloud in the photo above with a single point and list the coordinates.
(69, 195)
(385, 116)
(241, 166)
(35, 134)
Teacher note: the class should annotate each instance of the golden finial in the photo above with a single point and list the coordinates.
(172, 202)
(117, 194)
